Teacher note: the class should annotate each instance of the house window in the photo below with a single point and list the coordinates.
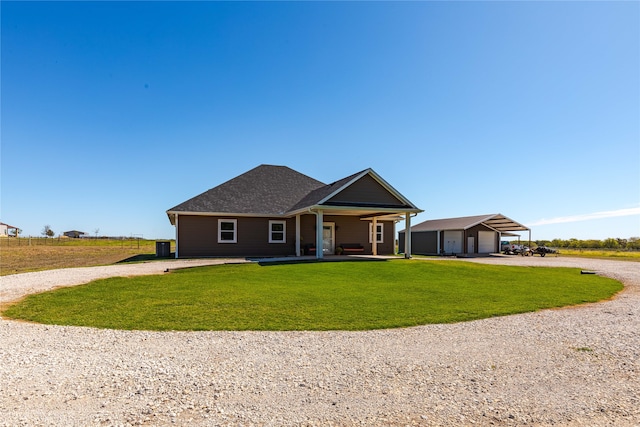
(227, 230)
(379, 232)
(277, 231)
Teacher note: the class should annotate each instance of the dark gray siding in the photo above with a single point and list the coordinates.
(425, 243)
(422, 243)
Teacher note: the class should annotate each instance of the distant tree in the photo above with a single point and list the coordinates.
(557, 243)
(592, 244)
(611, 243)
(47, 231)
(633, 243)
(574, 243)
(15, 232)
(96, 231)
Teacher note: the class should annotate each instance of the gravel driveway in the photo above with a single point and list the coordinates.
(570, 367)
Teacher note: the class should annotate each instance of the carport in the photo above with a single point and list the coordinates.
(480, 234)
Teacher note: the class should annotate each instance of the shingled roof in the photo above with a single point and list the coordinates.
(269, 190)
(264, 190)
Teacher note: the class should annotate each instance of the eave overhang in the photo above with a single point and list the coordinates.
(172, 215)
(359, 211)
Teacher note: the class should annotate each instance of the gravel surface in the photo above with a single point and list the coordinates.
(570, 367)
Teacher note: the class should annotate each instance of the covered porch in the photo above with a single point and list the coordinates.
(334, 231)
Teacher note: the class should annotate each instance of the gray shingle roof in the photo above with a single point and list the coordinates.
(271, 190)
(496, 221)
(264, 190)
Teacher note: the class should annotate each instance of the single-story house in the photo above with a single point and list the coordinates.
(479, 234)
(74, 234)
(5, 229)
(277, 211)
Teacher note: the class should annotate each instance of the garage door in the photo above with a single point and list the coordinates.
(453, 242)
(486, 242)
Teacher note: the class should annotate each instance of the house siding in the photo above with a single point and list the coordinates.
(198, 237)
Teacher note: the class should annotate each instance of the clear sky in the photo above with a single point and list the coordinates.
(114, 112)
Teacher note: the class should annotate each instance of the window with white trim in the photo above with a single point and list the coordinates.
(227, 231)
(379, 232)
(277, 231)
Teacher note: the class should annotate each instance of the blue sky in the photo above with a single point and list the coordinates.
(114, 112)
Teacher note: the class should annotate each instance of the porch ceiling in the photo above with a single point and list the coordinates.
(503, 224)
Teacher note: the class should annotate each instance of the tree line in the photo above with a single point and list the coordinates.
(632, 243)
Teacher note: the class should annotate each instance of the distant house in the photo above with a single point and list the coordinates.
(276, 211)
(74, 234)
(479, 234)
(5, 229)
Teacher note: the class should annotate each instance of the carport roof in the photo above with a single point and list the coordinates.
(497, 222)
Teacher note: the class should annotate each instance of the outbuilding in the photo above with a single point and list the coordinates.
(480, 234)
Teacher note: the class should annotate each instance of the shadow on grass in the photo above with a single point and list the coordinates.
(144, 258)
(266, 262)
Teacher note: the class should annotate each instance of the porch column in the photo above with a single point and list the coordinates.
(319, 221)
(407, 235)
(374, 236)
(298, 235)
(176, 235)
(438, 240)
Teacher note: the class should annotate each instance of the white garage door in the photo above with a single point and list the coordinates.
(486, 242)
(453, 242)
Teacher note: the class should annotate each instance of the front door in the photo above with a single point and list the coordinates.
(471, 245)
(328, 238)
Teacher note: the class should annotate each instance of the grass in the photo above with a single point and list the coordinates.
(314, 296)
(24, 255)
(601, 254)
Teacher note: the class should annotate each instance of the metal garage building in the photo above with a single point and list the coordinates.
(479, 234)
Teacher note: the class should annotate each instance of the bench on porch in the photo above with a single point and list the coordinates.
(351, 248)
(309, 249)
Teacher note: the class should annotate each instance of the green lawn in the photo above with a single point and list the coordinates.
(314, 296)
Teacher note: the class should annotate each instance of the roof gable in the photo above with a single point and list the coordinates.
(316, 196)
(365, 191)
(264, 190)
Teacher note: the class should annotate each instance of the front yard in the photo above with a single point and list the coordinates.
(314, 296)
